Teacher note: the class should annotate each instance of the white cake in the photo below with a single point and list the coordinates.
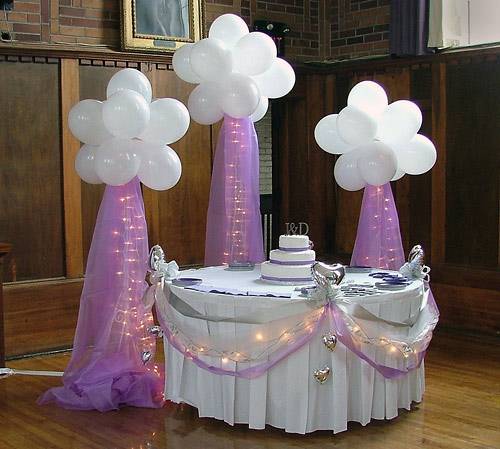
(291, 264)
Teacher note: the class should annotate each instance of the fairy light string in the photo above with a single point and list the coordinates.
(130, 314)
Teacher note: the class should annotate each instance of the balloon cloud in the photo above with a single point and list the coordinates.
(236, 71)
(378, 142)
(127, 135)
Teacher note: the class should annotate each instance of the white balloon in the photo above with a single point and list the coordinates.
(399, 123)
(160, 167)
(328, 138)
(261, 110)
(85, 122)
(85, 164)
(399, 173)
(210, 59)
(203, 104)
(240, 96)
(377, 163)
(254, 53)
(277, 81)
(229, 28)
(355, 126)
(126, 114)
(417, 156)
(181, 63)
(168, 123)
(117, 161)
(369, 97)
(346, 172)
(130, 79)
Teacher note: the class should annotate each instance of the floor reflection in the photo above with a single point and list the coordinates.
(458, 411)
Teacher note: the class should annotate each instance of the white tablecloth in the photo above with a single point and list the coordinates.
(288, 396)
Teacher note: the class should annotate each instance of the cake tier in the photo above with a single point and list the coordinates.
(286, 273)
(294, 242)
(306, 257)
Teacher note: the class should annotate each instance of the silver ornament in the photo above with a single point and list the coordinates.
(157, 331)
(327, 275)
(146, 356)
(330, 341)
(156, 257)
(322, 375)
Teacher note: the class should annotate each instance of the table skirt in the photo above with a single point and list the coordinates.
(289, 397)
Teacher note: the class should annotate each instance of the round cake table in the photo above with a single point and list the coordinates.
(287, 396)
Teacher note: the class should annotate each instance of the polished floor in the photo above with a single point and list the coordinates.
(461, 410)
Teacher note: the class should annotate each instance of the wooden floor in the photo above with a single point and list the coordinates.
(461, 410)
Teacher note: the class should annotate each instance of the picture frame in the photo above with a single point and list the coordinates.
(160, 25)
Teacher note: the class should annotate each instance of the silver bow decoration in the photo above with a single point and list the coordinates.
(159, 271)
(415, 268)
(158, 264)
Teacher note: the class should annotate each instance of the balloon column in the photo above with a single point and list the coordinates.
(377, 143)
(236, 72)
(128, 134)
(112, 363)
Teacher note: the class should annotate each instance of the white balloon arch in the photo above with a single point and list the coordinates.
(237, 72)
(377, 141)
(128, 134)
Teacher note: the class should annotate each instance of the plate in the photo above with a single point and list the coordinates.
(186, 282)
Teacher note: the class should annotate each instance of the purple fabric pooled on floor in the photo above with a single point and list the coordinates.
(106, 370)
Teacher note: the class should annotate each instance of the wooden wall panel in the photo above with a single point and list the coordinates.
(473, 164)
(420, 187)
(302, 172)
(40, 316)
(93, 82)
(30, 174)
(177, 217)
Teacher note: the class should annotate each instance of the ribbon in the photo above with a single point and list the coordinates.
(406, 341)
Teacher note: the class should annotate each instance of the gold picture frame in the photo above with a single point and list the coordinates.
(160, 25)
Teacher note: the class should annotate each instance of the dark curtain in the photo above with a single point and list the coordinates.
(409, 30)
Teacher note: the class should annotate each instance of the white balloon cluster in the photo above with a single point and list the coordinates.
(378, 142)
(126, 135)
(237, 72)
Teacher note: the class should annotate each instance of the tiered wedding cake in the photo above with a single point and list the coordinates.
(291, 263)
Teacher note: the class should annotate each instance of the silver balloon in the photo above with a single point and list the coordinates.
(322, 375)
(327, 275)
(146, 356)
(156, 331)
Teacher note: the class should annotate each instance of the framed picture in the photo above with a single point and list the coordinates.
(160, 25)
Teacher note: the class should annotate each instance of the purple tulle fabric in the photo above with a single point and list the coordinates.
(339, 320)
(234, 232)
(106, 370)
(378, 240)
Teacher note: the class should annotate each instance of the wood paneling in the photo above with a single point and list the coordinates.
(40, 315)
(30, 170)
(473, 164)
(178, 216)
(93, 81)
(70, 85)
(302, 174)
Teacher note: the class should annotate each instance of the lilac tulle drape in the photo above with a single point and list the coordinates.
(378, 240)
(234, 230)
(109, 366)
